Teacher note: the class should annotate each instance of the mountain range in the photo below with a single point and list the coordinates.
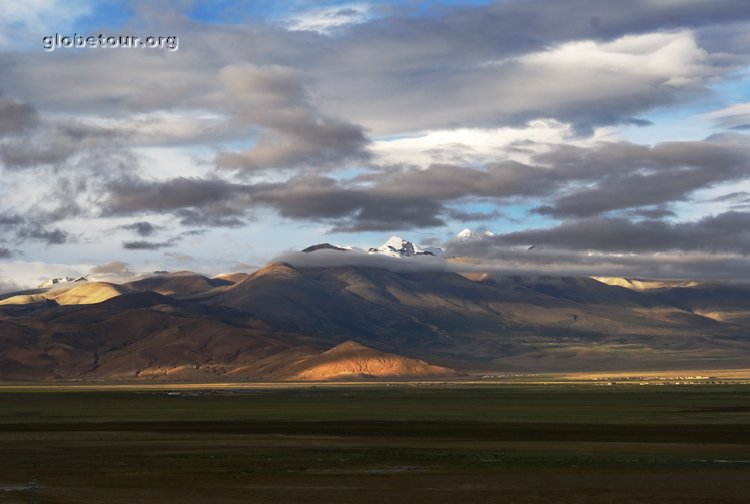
(395, 246)
(290, 321)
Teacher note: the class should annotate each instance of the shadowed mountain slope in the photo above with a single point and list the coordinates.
(179, 284)
(482, 321)
(285, 322)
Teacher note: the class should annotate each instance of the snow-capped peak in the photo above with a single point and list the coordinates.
(469, 235)
(396, 246)
(62, 280)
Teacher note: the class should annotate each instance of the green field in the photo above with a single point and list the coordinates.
(378, 444)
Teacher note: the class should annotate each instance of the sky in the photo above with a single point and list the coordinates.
(611, 136)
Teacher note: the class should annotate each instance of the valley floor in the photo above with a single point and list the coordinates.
(429, 443)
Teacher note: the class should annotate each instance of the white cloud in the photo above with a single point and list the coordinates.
(481, 145)
(325, 20)
(587, 70)
(163, 163)
(22, 19)
(729, 117)
(27, 275)
(588, 83)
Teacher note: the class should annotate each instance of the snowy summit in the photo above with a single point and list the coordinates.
(396, 246)
(62, 280)
(469, 235)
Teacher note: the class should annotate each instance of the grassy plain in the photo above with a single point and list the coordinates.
(508, 443)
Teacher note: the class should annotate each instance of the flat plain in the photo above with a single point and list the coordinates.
(378, 443)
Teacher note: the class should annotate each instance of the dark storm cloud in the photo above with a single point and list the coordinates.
(10, 220)
(463, 216)
(16, 117)
(724, 233)
(315, 144)
(512, 28)
(148, 245)
(407, 73)
(621, 176)
(652, 213)
(684, 266)
(24, 228)
(156, 245)
(535, 262)
(398, 72)
(214, 216)
(5, 253)
(296, 134)
(575, 181)
(53, 143)
(132, 195)
(37, 232)
(737, 200)
(141, 228)
(195, 201)
(349, 208)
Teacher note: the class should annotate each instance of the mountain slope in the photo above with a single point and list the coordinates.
(179, 284)
(84, 293)
(283, 322)
(552, 323)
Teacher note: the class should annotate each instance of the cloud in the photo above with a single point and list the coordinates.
(54, 143)
(526, 60)
(658, 212)
(20, 17)
(114, 267)
(328, 127)
(35, 231)
(473, 146)
(572, 181)
(464, 216)
(328, 258)
(115, 271)
(28, 274)
(735, 116)
(400, 73)
(148, 245)
(738, 200)
(351, 208)
(132, 195)
(141, 228)
(152, 245)
(295, 134)
(328, 20)
(618, 176)
(16, 117)
(195, 201)
(507, 261)
(6, 287)
(727, 233)
(24, 228)
(682, 266)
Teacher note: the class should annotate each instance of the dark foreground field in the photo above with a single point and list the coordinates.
(377, 444)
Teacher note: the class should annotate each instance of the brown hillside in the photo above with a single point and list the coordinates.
(351, 360)
(179, 284)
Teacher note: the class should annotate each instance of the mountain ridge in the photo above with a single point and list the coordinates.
(268, 324)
